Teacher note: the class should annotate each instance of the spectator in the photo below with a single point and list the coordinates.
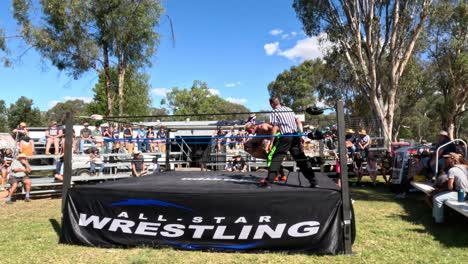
(20, 169)
(372, 169)
(457, 180)
(232, 139)
(128, 136)
(386, 166)
(416, 168)
(74, 148)
(5, 167)
(85, 136)
(239, 164)
(358, 161)
(350, 142)
(26, 147)
(228, 166)
(328, 138)
(140, 136)
(442, 139)
(59, 168)
(154, 167)
(138, 164)
(363, 143)
(96, 160)
(115, 137)
(53, 135)
(97, 133)
(150, 140)
(22, 134)
(162, 137)
(107, 136)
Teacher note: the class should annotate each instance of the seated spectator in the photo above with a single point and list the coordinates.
(363, 143)
(162, 137)
(457, 180)
(151, 145)
(85, 136)
(239, 164)
(53, 135)
(154, 166)
(20, 169)
(138, 165)
(140, 137)
(350, 142)
(442, 139)
(128, 136)
(22, 134)
(228, 166)
(107, 136)
(59, 168)
(96, 160)
(97, 133)
(26, 146)
(63, 140)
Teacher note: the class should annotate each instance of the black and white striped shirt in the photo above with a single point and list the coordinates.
(285, 119)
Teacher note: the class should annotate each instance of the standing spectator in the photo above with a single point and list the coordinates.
(239, 164)
(289, 126)
(96, 160)
(53, 135)
(85, 136)
(128, 136)
(150, 140)
(350, 142)
(457, 180)
(5, 167)
(372, 169)
(20, 169)
(138, 164)
(358, 160)
(107, 136)
(141, 135)
(386, 166)
(363, 143)
(162, 137)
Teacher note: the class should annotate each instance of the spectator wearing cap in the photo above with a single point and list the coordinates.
(457, 175)
(20, 169)
(138, 164)
(53, 135)
(96, 160)
(363, 143)
(85, 136)
(22, 135)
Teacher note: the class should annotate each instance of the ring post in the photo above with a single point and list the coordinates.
(344, 178)
(67, 159)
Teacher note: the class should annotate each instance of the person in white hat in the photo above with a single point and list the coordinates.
(20, 169)
(138, 164)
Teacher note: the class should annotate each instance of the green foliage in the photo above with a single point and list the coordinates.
(136, 94)
(81, 35)
(59, 111)
(22, 111)
(3, 117)
(198, 100)
(296, 87)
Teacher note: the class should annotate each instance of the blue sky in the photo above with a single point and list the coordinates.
(236, 47)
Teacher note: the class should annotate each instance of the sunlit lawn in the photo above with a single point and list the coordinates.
(388, 231)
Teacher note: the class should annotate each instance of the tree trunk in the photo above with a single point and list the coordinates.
(122, 72)
(109, 90)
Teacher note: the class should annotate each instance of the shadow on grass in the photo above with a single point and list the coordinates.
(56, 226)
(453, 233)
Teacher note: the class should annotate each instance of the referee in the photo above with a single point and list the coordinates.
(286, 139)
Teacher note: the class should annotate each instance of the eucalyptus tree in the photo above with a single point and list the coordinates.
(376, 40)
(80, 35)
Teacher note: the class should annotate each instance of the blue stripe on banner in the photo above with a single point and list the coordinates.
(149, 202)
(205, 246)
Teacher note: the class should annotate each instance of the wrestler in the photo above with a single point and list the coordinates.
(255, 145)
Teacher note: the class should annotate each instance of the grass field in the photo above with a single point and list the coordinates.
(388, 231)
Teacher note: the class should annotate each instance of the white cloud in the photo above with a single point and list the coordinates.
(214, 91)
(307, 49)
(271, 48)
(236, 100)
(159, 91)
(275, 32)
(284, 36)
(82, 98)
(293, 33)
(233, 84)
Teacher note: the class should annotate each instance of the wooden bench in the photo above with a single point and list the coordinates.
(427, 188)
